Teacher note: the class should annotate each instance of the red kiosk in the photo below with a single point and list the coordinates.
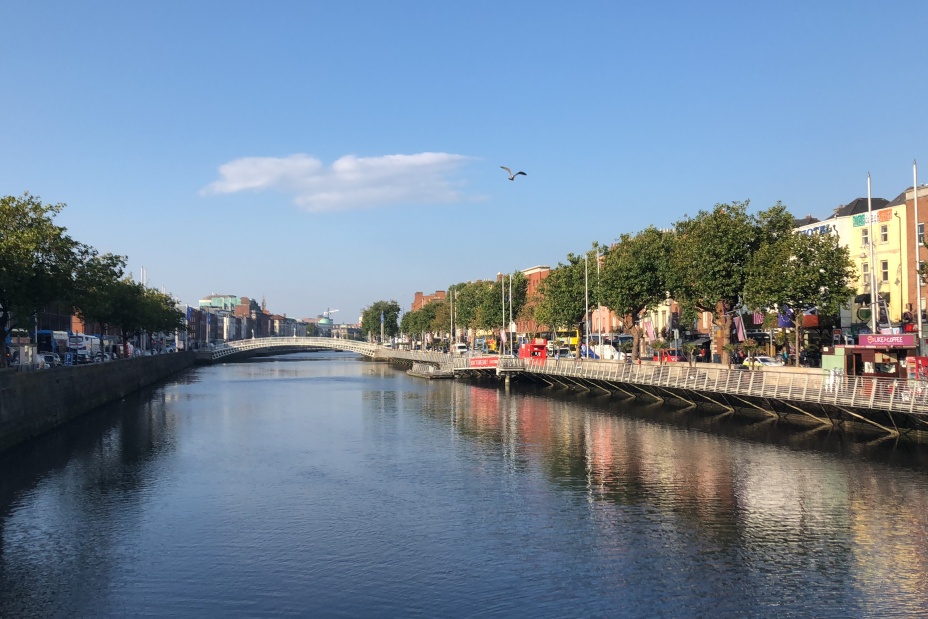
(877, 355)
(534, 351)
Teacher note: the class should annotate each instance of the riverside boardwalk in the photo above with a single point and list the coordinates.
(892, 408)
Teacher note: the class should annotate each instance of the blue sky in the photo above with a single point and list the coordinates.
(333, 154)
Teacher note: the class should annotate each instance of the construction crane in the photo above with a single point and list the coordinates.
(328, 312)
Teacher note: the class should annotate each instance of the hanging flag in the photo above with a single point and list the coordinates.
(381, 316)
(502, 336)
(758, 318)
(810, 317)
(739, 326)
(650, 329)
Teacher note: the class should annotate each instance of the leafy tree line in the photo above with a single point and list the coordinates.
(721, 261)
(41, 264)
(475, 305)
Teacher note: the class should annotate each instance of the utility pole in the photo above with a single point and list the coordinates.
(874, 305)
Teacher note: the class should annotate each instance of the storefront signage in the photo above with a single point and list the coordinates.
(887, 341)
(883, 215)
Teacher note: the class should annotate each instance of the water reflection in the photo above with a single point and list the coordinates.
(55, 492)
(322, 485)
(804, 510)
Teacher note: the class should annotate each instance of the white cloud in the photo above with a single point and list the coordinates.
(350, 182)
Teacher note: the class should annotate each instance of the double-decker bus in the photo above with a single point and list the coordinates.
(52, 341)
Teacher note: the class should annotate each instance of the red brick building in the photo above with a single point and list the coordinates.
(421, 300)
(534, 276)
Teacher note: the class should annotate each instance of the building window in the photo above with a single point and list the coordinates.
(921, 234)
(884, 270)
(884, 233)
(864, 237)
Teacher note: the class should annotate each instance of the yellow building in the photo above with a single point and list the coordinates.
(875, 236)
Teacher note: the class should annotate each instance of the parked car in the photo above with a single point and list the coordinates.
(762, 360)
(51, 359)
(460, 348)
(561, 352)
(671, 354)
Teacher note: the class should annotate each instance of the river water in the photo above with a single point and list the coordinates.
(321, 485)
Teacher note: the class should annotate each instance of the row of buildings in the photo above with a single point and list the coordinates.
(223, 318)
(886, 243)
(215, 318)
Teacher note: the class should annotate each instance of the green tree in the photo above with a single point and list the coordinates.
(37, 261)
(370, 319)
(634, 277)
(707, 266)
(95, 283)
(729, 351)
(689, 349)
(441, 323)
(801, 271)
(127, 298)
(561, 300)
(418, 323)
(751, 348)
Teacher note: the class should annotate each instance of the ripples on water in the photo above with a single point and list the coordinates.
(326, 486)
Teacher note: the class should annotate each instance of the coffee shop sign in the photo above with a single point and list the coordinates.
(887, 341)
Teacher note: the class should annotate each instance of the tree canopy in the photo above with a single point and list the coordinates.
(634, 275)
(799, 272)
(371, 317)
(562, 295)
(38, 260)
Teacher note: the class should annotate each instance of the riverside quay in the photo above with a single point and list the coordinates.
(894, 407)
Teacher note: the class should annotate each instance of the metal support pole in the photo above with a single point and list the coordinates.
(874, 295)
(918, 261)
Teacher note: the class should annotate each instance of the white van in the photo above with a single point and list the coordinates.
(460, 348)
(86, 347)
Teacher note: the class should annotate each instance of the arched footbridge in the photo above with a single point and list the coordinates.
(887, 406)
(242, 349)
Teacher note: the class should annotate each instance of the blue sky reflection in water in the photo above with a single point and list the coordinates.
(324, 486)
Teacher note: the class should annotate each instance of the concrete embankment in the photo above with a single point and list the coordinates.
(32, 403)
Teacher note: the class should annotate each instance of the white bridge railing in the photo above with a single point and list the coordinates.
(896, 395)
(905, 396)
(290, 343)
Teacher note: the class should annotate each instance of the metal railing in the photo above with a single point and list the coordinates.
(894, 395)
(288, 343)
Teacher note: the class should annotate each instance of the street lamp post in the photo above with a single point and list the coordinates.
(918, 261)
(586, 286)
(874, 306)
(511, 335)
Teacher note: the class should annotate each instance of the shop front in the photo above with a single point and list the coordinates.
(876, 355)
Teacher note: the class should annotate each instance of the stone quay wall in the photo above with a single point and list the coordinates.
(32, 403)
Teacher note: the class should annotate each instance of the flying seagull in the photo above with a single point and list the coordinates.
(512, 176)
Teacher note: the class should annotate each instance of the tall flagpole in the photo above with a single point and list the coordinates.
(599, 308)
(502, 294)
(874, 306)
(509, 326)
(586, 286)
(918, 261)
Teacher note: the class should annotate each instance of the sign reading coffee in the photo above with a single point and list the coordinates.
(874, 340)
